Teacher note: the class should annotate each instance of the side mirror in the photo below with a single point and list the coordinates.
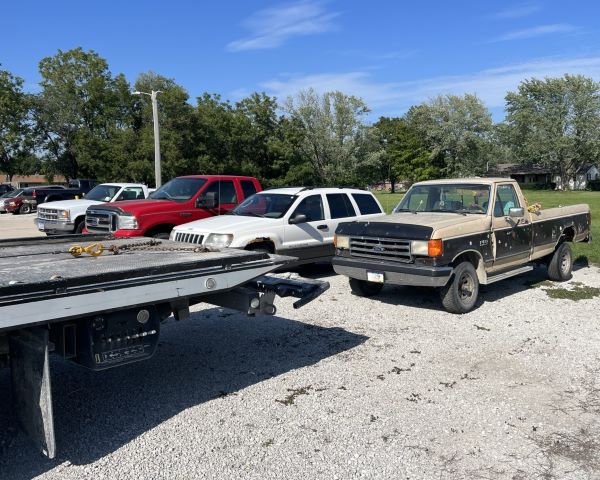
(516, 212)
(298, 218)
(210, 200)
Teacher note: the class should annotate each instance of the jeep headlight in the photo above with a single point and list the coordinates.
(219, 240)
(341, 241)
(128, 222)
(172, 235)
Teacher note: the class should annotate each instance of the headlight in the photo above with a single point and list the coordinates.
(341, 241)
(128, 222)
(64, 214)
(172, 235)
(424, 248)
(219, 240)
(12, 204)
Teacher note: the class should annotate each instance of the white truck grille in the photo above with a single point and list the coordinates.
(47, 214)
(184, 237)
(381, 249)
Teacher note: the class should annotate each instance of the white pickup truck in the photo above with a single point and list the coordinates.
(295, 221)
(68, 216)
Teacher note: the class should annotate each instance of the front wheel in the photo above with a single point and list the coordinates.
(161, 236)
(25, 208)
(461, 292)
(560, 266)
(362, 288)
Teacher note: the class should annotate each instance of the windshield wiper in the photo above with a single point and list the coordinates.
(251, 214)
(460, 212)
(406, 210)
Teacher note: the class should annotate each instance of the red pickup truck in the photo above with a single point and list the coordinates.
(181, 200)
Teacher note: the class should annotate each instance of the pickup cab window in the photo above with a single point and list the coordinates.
(225, 190)
(459, 198)
(366, 203)
(178, 189)
(103, 193)
(312, 207)
(131, 193)
(248, 188)
(340, 206)
(506, 198)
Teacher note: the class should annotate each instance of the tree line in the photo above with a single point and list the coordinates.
(86, 122)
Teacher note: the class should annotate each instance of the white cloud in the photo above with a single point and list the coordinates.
(271, 27)
(517, 12)
(537, 31)
(393, 98)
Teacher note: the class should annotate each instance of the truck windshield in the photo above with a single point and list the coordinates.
(460, 198)
(103, 193)
(268, 205)
(178, 189)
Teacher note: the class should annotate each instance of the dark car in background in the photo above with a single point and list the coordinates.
(76, 188)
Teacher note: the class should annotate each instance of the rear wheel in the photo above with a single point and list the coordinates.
(25, 208)
(161, 236)
(461, 292)
(560, 266)
(362, 288)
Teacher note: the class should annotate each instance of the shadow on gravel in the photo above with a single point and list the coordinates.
(214, 354)
(429, 298)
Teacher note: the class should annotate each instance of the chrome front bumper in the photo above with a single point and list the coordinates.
(52, 226)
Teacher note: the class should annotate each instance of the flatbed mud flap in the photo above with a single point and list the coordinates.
(258, 295)
(32, 394)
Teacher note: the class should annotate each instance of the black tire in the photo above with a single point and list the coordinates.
(79, 227)
(260, 247)
(362, 288)
(461, 292)
(161, 236)
(560, 266)
(25, 208)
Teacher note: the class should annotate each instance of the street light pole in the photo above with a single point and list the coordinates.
(157, 175)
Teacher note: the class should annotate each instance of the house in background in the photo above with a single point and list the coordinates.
(524, 174)
(21, 181)
(586, 174)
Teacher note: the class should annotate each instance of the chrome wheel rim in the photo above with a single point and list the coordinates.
(466, 287)
(565, 262)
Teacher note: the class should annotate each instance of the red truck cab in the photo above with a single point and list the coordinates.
(181, 200)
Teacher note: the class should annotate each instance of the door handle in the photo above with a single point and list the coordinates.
(322, 227)
(185, 214)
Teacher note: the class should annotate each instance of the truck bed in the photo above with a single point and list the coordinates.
(40, 281)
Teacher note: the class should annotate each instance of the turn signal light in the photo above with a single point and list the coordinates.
(435, 248)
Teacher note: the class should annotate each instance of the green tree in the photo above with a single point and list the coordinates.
(457, 131)
(556, 122)
(404, 155)
(336, 139)
(15, 128)
(77, 112)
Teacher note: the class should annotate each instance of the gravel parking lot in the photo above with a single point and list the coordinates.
(346, 387)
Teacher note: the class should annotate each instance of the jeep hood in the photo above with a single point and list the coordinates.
(236, 224)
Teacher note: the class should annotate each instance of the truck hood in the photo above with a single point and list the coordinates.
(420, 226)
(236, 224)
(141, 207)
(69, 204)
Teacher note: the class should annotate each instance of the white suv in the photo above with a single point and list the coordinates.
(297, 221)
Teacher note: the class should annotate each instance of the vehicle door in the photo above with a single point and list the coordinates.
(340, 209)
(302, 236)
(512, 235)
(217, 198)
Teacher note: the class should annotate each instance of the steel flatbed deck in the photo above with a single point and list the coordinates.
(105, 311)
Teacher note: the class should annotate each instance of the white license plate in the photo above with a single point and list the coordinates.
(40, 225)
(376, 277)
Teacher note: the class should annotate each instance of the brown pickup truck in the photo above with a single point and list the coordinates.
(456, 235)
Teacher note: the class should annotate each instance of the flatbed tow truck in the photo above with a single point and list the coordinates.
(99, 301)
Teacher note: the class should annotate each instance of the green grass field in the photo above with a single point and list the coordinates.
(547, 199)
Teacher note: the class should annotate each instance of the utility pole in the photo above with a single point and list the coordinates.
(153, 95)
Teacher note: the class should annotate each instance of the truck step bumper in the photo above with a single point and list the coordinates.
(393, 274)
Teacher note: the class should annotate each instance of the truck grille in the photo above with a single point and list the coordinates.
(47, 214)
(381, 249)
(188, 238)
(100, 221)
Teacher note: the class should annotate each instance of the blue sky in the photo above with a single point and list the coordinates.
(391, 53)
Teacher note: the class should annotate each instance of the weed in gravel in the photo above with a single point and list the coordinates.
(538, 283)
(295, 393)
(576, 293)
(481, 328)
(268, 443)
(373, 418)
(448, 384)
(398, 370)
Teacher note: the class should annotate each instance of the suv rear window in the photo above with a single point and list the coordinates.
(340, 206)
(366, 203)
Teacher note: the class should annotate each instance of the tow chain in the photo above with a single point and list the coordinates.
(96, 249)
